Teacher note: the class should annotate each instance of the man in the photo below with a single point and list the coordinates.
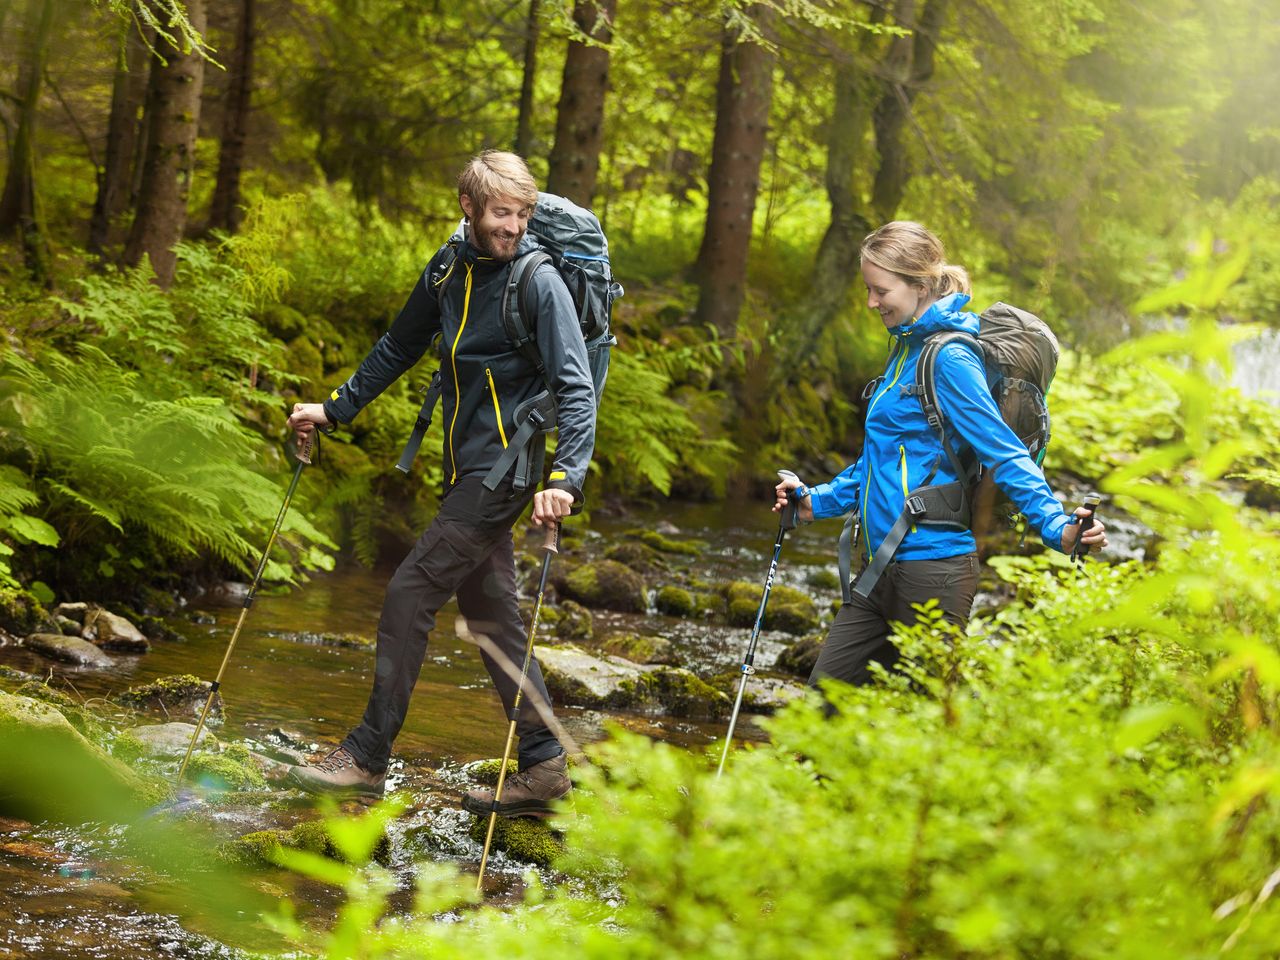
(468, 549)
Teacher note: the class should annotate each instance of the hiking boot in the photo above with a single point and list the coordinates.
(530, 793)
(338, 773)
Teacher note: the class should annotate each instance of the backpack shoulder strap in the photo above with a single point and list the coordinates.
(440, 277)
(927, 390)
(515, 306)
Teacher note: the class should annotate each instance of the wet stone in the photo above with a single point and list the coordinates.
(608, 584)
(113, 632)
(72, 611)
(169, 739)
(65, 649)
(69, 627)
(176, 696)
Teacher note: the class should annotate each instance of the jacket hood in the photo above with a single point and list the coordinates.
(947, 314)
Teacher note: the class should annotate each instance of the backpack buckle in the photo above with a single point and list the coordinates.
(915, 507)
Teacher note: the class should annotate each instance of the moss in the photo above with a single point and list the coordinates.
(823, 579)
(675, 601)
(128, 748)
(79, 716)
(789, 609)
(678, 692)
(574, 621)
(607, 584)
(259, 849)
(532, 841)
(652, 538)
(640, 648)
(181, 693)
(486, 771)
(638, 556)
(22, 613)
(225, 771)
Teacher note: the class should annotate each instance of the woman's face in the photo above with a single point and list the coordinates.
(896, 300)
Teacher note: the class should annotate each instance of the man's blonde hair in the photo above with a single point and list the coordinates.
(496, 173)
(906, 248)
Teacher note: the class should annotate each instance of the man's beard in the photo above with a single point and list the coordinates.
(488, 243)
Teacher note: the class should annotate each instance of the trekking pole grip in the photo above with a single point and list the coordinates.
(551, 537)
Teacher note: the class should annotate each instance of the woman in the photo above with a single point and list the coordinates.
(917, 293)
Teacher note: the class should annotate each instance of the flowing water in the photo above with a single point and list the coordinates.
(61, 892)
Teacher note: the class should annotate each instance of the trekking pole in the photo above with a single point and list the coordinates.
(788, 521)
(551, 545)
(1080, 549)
(303, 456)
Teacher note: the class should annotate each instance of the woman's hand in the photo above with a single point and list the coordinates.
(1095, 536)
(782, 491)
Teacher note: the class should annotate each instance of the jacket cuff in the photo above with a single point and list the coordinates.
(568, 488)
(338, 408)
(819, 493)
(1052, 532)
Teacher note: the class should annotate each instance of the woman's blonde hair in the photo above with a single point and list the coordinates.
(906, 248)
(496, 173)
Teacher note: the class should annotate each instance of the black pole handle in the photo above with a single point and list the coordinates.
(1080, 549)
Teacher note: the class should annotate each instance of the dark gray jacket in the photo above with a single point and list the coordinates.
(484, 377)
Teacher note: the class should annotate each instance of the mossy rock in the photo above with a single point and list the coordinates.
(765, 692)
(823, 579)
(641, 648)
(127, 748)
(49, 770)
(12, 678)
(789, 609)
(574, 621)
(548, 616)
(607, 584)
(79, 716)
(182, 695)
(638, 556)
(230, 770)
(799, 658)
(663, 544)
(675, 602)
(679, 693)
(22, 613)
(533, 841)
(486, 771)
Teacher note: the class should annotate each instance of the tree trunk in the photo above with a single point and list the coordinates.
(575, 158)
(908, 67)
(19, 206)
(744, 93)
(115, 179)
(172, 118)
(524, 123)
(225, 212)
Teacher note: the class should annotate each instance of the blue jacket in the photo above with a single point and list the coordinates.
(901, 448)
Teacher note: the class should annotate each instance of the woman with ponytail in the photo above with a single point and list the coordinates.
(917, 293)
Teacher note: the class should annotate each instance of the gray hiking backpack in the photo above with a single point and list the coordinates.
(571, 239)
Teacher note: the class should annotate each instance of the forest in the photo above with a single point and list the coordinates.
(212, 209)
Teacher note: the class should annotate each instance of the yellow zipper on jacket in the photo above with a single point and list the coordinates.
(902, 464)
(497, 410)
(453, 361)
(866, 487)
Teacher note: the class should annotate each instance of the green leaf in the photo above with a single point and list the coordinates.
(31, 530)
(1142, 724)
(42, 592)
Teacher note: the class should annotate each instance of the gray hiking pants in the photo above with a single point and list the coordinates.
(861, 630)
(467, 550)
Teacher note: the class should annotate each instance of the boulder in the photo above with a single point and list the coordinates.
(176, 696)
(22, 613)
(65, 649)
(607, 584)
(576, 677)
(259, 849)
(664, 544)
(69, 627)
(638, 556)
(764, 693)
(675, 602)
(233, 769)
(72, 611)
(48, 770)
(166, 739)
(113, 632)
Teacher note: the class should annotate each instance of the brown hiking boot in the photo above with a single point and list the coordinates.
(338, 773)
(529, 793)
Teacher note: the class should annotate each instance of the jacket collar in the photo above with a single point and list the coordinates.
(946, 314)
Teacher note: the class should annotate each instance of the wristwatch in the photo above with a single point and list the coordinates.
(799, 493)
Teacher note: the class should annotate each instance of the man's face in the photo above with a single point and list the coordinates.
(496, 230)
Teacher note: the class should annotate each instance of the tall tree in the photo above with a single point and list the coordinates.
(524, 120)
(575, 157)
(19, 205)
(128, 91)
(225, 212)
(172, 117)
(744, 94)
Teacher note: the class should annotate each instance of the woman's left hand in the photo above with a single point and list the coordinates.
(1095, 536)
